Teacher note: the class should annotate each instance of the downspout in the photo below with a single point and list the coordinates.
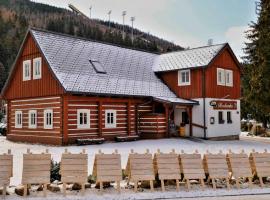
(203, 94)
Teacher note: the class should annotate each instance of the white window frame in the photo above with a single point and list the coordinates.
(35, 61)
(17, 114)
(46, 125)
(109, 124)
(222, 81)
(30, 125)
(180, 80)
(26, 63)
(230, 81)
(83, 126)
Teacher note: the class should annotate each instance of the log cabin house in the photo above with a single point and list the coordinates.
(63, 88)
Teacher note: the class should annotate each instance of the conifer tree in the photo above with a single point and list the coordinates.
(256, 73)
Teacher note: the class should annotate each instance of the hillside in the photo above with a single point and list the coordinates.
(17, 15)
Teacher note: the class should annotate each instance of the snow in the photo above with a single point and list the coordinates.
(165, 145)
(129, 194)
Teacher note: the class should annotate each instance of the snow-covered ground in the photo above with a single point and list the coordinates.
(165, 145)
(125, 194)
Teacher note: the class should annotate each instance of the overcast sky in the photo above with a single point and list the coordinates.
(189, 23)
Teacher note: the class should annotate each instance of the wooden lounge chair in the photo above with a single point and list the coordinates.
(192, 167)
(216, 166)
(36, 170)
(167, 167)
(6, 166)
(140, 168)
(107, 168)
(239, 166)
(74, 169)
(260, 163)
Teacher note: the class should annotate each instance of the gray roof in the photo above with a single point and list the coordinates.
(128, 72)
(185, 59)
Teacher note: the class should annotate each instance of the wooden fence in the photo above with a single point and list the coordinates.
(140, 167)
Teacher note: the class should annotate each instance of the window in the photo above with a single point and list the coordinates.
(48, 119)
(220, 117)
(229, 117)
(110, 121)
(184, 77)
(26, 70)
(83, 118)
(32, 119)
(229, 78)
(18, 119)
(98, 67)
(37, 68)
(220, 76)
(224, 77)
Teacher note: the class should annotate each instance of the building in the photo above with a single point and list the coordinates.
(63, 88)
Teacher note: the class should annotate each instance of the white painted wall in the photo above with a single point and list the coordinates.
(216, 129)
(197, 118)
(178, 119)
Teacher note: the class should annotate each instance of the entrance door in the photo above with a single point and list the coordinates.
(181, 119)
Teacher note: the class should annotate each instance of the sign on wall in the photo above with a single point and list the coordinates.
(224, 105)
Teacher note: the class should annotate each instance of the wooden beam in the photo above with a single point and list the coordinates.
(190, 121)
(136, 118)
(65, 119)
(100, 118)
(129, 117)
(167, 119)
(8, 117)
(105, 99)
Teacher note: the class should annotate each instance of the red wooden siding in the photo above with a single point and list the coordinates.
(225, 61)
(39, 134)
(46, 86)
(189, 91)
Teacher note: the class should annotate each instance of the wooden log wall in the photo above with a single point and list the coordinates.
(152, 124)
(125, 116)
(39, 134)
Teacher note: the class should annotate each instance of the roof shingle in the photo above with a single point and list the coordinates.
(190, 58)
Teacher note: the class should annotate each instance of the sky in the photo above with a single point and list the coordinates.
(188, 23)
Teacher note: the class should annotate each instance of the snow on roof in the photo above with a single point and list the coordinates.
(190, 58)
(128, 72)
(175, 100)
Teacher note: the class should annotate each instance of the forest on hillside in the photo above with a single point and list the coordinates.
(17, 15)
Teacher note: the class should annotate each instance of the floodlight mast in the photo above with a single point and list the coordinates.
(90, 12)
(132, 19)
(109, 13)
(123, 33)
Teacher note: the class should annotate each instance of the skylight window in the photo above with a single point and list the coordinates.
(98, 67)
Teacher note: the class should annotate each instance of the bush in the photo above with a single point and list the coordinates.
(91, 179)
(244, 127)
(1, 116)
(55, 169)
